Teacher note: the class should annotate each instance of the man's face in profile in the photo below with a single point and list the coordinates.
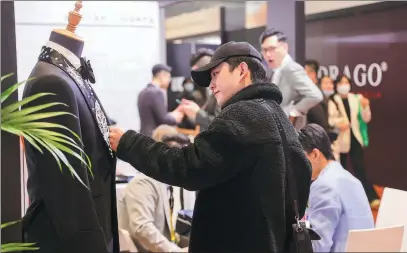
(165, 79)
(225, 82)
(273, 51)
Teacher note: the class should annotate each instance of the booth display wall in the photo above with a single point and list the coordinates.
(121, 42)
(250, 35)
(371, 49)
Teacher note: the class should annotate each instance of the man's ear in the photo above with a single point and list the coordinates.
(316, 153)
(244, 69)
(285, 45)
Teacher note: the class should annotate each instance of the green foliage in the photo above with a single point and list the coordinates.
(13, 247)
(29, 123)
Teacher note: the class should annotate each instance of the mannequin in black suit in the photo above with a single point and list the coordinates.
(63, 215)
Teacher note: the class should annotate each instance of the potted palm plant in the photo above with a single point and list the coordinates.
(30, 124)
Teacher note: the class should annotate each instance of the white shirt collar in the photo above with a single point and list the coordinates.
(276, 75)
(71, 57)
(286, 58)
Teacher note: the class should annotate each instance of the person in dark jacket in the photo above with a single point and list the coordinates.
(317, 114)
(152, 104)
(201, 115)
(237, 165)
(189, 89)
(190, 93)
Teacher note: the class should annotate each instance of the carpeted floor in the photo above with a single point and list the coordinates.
(379, 190)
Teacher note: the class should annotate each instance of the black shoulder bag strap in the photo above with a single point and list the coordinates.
(181, 195)
(301, 235)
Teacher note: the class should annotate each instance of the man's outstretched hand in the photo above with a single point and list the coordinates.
(190, 108)
(114, 137)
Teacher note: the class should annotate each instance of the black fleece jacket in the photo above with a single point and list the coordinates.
(239, 169)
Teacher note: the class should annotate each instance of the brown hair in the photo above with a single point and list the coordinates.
(163, 130)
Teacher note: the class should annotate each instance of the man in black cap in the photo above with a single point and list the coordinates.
(152, 102)
(238, 164)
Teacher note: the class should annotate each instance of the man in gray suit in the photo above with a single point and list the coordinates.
(299, 92)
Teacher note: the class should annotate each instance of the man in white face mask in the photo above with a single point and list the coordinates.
(351, 118)
(202, 115)
(189, 86)
(189, 90)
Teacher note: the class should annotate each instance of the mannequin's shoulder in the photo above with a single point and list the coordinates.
(47, 77)
(45, 69)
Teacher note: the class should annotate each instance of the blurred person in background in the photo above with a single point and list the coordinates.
(331, 111)
(189, 88)
(337, 200)
(147, 208)
(193, 92)
(300, 94)
(162, 131)
(152, 102)
(312, 68)
(352, 116)
(201, 116)
(317, 114)
(182, 209)
(327, 87)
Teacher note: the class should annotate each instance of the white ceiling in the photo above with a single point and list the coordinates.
(175, 8)
(314, 7)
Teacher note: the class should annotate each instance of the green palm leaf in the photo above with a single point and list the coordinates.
(45, 125)
(58, 141)
(27, 123)
(56, 147)
(5, 94)
(15, 131)
(6, 76)
(28, 131)
(10, 223)
(44, 132)
(32, 131)
(46, 146)
(51, 146)
(34, 117)
(16, 105)
(29, 110)
(14, 247)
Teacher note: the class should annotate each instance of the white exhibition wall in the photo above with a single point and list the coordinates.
(122, 42)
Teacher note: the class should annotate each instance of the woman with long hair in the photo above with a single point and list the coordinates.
(351, 119)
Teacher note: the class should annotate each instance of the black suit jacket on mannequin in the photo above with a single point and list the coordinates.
(63, 215)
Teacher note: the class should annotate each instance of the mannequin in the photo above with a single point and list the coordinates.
(63, 215)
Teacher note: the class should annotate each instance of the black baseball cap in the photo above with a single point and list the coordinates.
(160, 67)
(202, 75)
